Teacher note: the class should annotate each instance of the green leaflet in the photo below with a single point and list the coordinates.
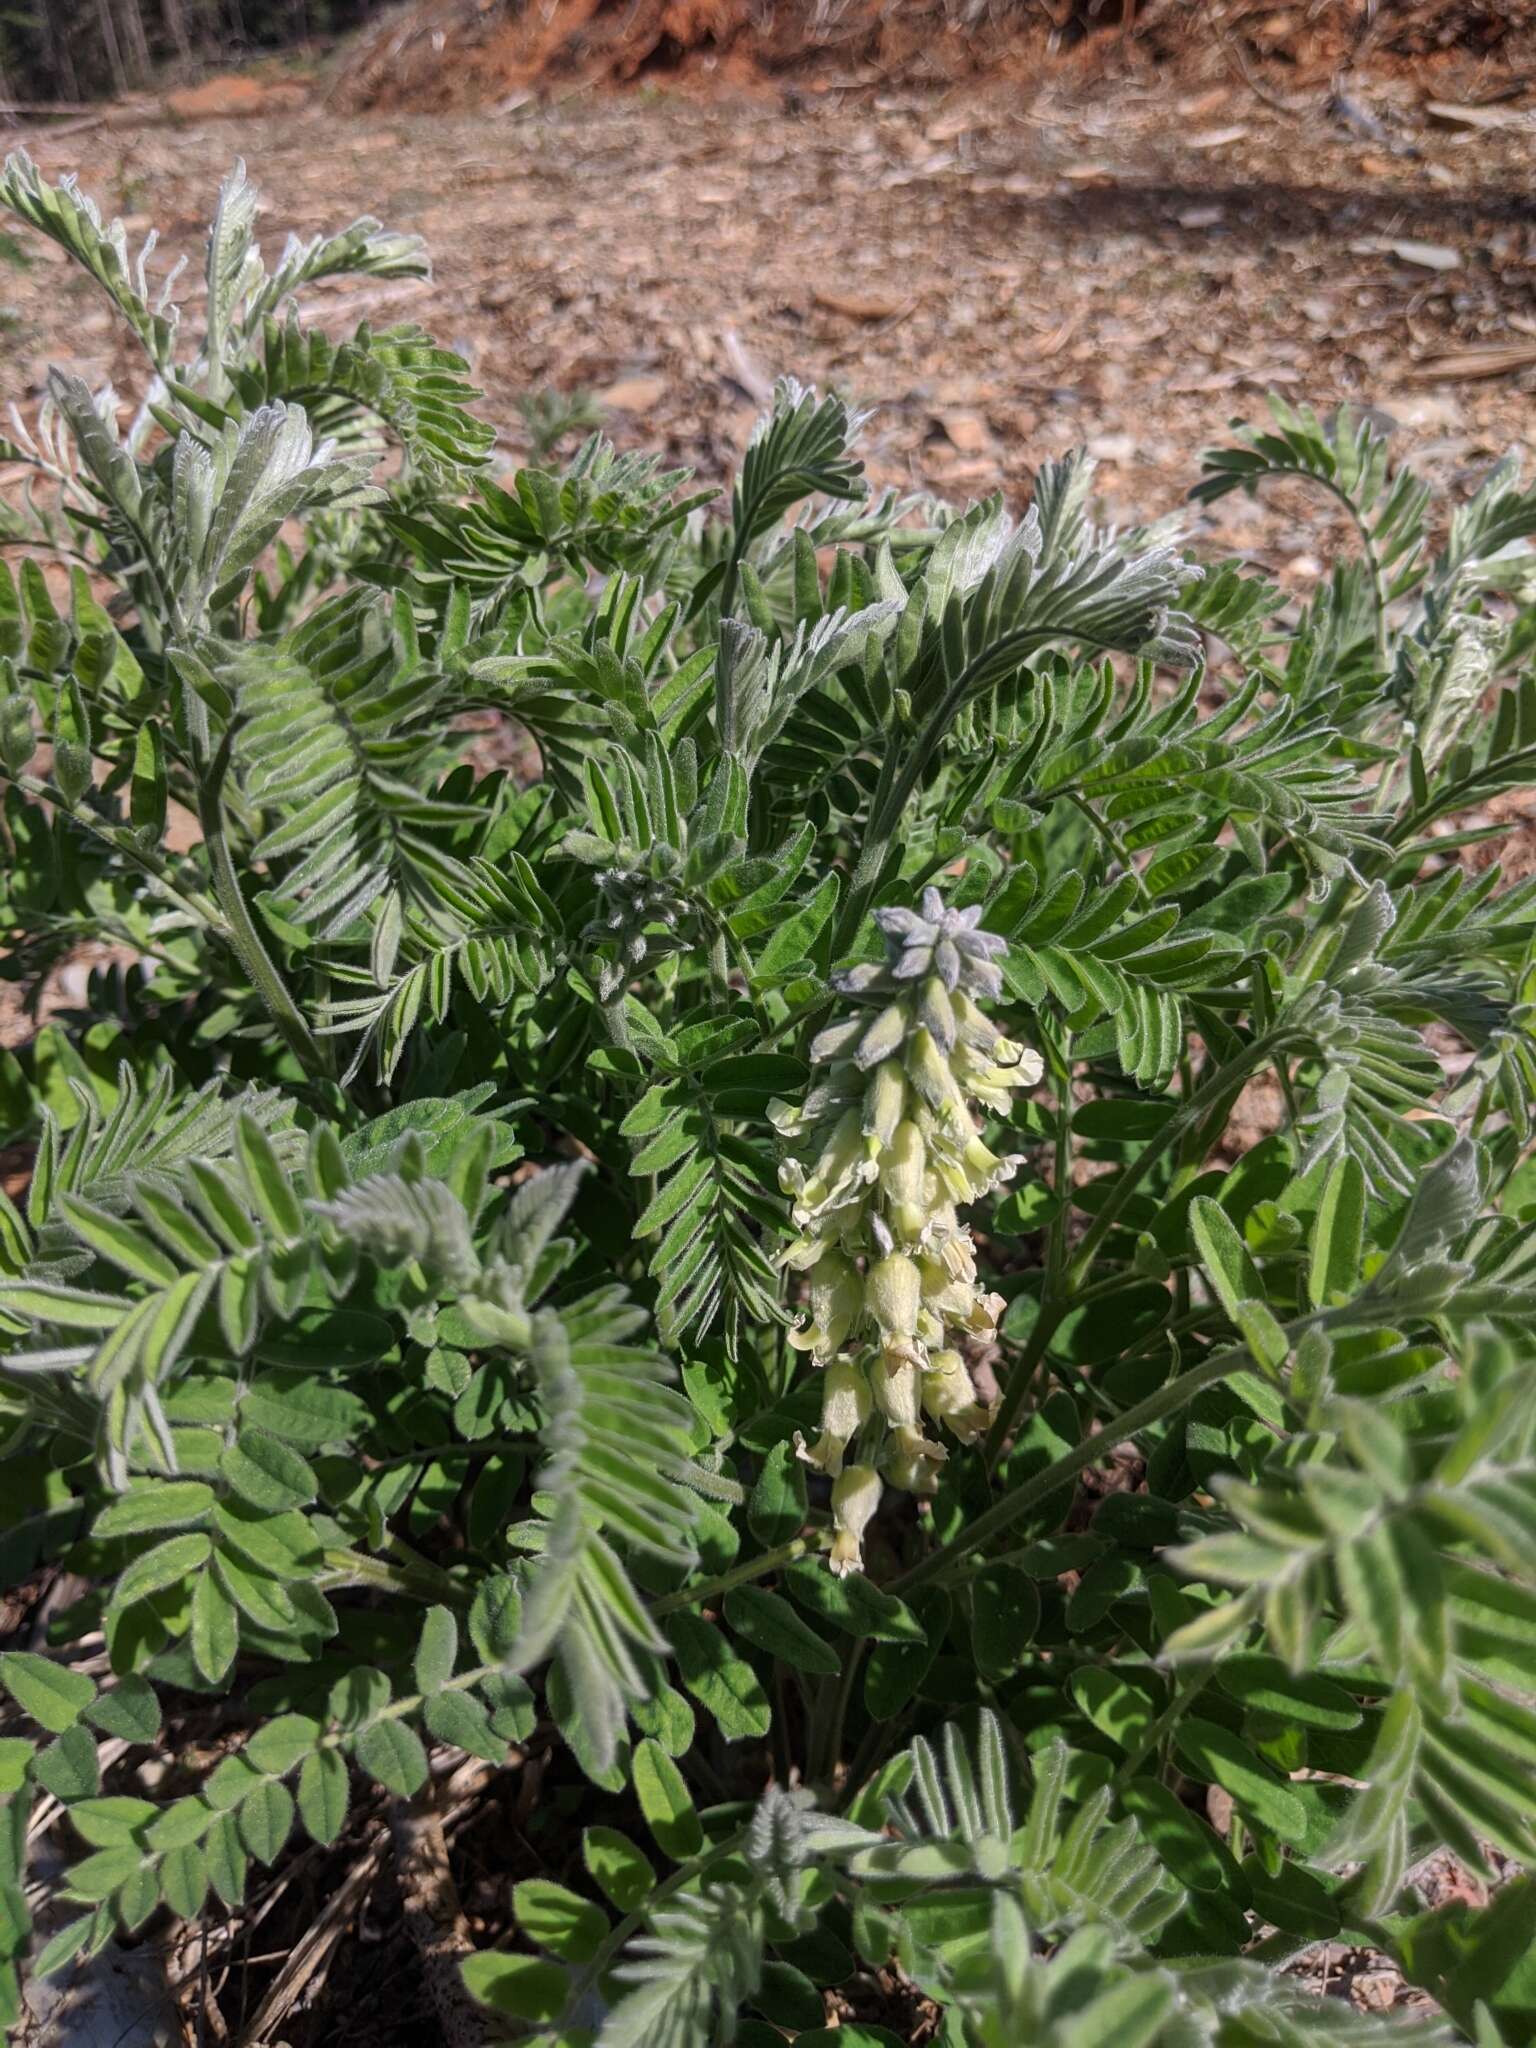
(769, 1623)
(724, 1684)
(664, 1801)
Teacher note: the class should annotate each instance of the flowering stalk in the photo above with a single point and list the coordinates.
(884, 1152)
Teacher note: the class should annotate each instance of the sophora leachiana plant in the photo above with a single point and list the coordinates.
(850, 1178)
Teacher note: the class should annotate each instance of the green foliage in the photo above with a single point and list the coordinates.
(522, 905)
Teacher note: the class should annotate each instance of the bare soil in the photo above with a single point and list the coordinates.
(1001, 274)
(456, 53)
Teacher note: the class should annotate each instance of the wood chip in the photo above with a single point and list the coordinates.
(853, 306)
(1216, 138)
(1424, 255)
(634, 394)
(1456, 115)
(967, 431)
(1470, 364)
(758, 387)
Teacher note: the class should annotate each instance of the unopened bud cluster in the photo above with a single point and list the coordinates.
(885, 1152)
(642, 916)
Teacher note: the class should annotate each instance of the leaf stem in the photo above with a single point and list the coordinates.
(1064, 1290)
(243, 935)
(1112, 841)
(1227, 1077)
(155, 870)
(1022, 1379)
(829, 1730)
(744, 1574)
(1169, 1718)
(356, 1568)
(426, 1454)
(896, 785)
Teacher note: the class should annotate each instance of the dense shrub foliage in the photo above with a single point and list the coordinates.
(648, 1164)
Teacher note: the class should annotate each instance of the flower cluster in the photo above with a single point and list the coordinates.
(885, 1153)
(643, 912)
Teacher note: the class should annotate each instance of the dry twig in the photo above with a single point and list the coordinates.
(433, 1917)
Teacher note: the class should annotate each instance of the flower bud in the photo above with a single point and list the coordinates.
(845, 1406)
(896, 1392)
(837, 1295)
(911, 1462)
(884, 1100)
(950, 1399)
(893, 1293)
(929, 1072)
(836, 1042)
(855, 1496)
(884, 1036)
(936, 1012)
(904, 1181)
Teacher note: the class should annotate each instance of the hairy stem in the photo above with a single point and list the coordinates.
(1166, 1721)
(897, 784)
(243, 935)
(827, 1730)
(685, 1874)
(1227, 1077)
(419, 1581)
(744, 1574)
(1066, 1287)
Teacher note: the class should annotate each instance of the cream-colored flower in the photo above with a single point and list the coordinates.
(896, 1391)
(904, 1181)
(931, 1075)
(950, 1398)
(893, 1295)
(884, 1036)
(885, 1100)
(845, 1166)
(845, 1407)
(936, 1013)
(911, 1461)
(855, 1496)
(837, 1296)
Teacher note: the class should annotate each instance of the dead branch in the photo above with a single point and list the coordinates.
(433, 1917)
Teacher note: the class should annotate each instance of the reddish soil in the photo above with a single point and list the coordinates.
(450, 53)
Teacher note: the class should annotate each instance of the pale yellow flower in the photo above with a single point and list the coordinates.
(893, 1295)
(845, 1407)
(886, 1151)
(911, 1461)
(855, 1496)
(950, 1398)
(904, 1181)
(837, 1296)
